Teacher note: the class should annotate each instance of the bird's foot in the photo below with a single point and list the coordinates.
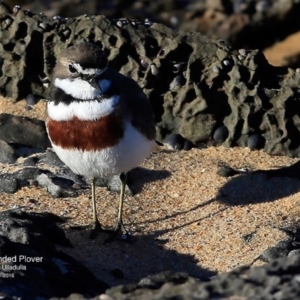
(96, 229)
(118, 232)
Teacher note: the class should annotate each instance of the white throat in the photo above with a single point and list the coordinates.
(84, 110)
(78, 88)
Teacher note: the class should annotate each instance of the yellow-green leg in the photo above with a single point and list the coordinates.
(119, 225)
(96, 226)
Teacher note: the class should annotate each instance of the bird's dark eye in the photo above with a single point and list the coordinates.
(72, 69)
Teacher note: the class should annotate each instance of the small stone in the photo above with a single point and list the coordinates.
(273, 253)
(298, 70)
(31, 99)
(241, 57)
(226, 171)
(174, 141)
(221, 134)
(154, 69)
(188, 145)
(8, 183)
(226, 62)
(256, 142)
(50, 158)
(7, 153)
(144, 63)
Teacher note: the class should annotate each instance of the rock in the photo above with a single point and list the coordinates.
(50, 158)
(174, 141)
(256, 142)
(7, 154)
(37, 269)
(270, 281)
(247, 96)
(31, 99)
(8, 183)
(24, 131)
(114, 184)
(55, 186)
(220, 134)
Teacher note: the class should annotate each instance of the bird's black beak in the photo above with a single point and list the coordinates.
(93, 81)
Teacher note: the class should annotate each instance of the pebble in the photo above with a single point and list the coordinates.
(174, 141)
(256, 142)
(8, 183)
(7, 153)
(221, 134)
(31, 99)
(154, 69)
(53, 188)
(226, 171)
(50, 158)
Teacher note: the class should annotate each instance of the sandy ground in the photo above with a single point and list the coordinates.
(184, 217)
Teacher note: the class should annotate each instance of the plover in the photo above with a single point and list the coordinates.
(100, 122)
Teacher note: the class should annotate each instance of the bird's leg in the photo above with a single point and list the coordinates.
(119, 225)
(96, 226)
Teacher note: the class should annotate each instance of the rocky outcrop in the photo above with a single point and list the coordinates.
(196, 86)
(31, 267)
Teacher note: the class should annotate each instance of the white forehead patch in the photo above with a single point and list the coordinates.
(88, 71)
(85, 111)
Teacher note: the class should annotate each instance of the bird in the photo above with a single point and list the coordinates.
(99, 122)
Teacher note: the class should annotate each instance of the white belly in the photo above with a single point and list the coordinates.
(129, 153)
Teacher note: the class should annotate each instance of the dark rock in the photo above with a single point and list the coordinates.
(30, 161)
(220, 134)
(32, 99)
(114, 184)
(247, 95)
(226, 171)
(256, 142)
(273, 253)
(8, 183)
(56, 187)
(24, 131)
(7, 154)
(50, 158)
(277, 280)
(174, 141)
(27, 236)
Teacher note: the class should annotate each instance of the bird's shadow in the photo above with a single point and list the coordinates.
(140, 176)
(120, 262)
(261, 186)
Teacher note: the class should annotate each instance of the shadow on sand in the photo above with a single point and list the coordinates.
(261, 186)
